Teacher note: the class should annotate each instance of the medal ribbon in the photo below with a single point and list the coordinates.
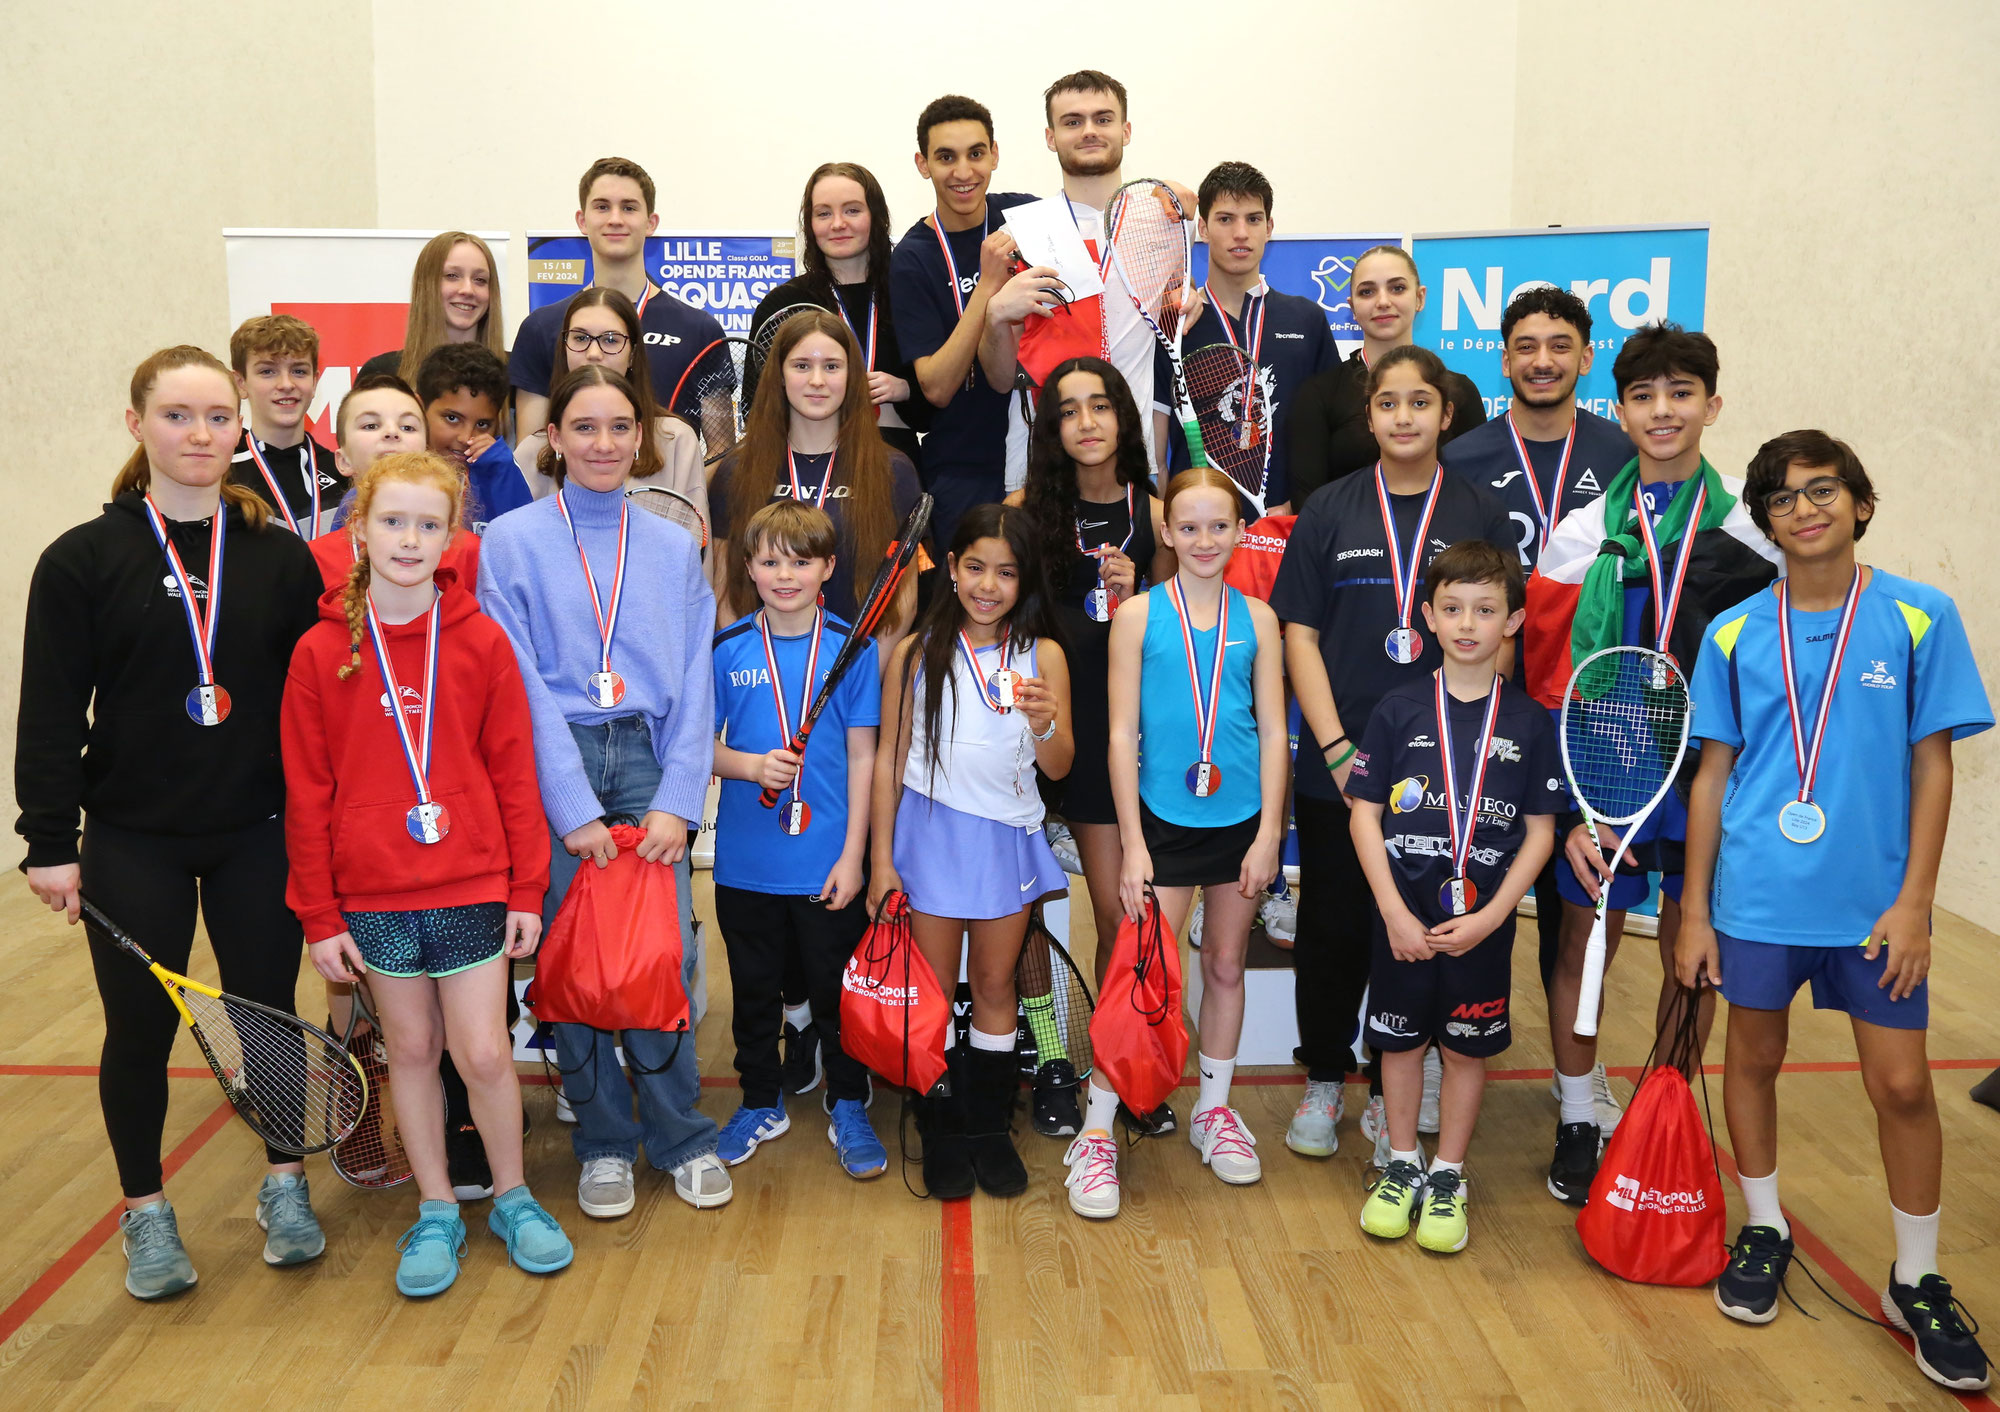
(840, 307)
(1205, 712)
(1098, 552)
(1461, 829)
(645, 297)
(951, 265)
(1807, 753)
(1255, 349)
(1403, 574)
(417, 757)
(986, 692)
(1547, 512)
(825, 481)
(201, 622)
(607, 622)
(1667, 596)
(778, 685)
(277, 495)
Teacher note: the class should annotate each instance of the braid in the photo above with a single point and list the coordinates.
(356, 598)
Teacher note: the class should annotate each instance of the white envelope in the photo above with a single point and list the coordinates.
(1047, 235)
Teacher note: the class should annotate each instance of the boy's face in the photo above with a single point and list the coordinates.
(457, 419)
(959, 165)
(1236, 229)
(1543, 359)
(378, 421)
(280, 388)
(786, 579)
(1471, 620)
(614, 218)
(1805, 530)
(1665, 415)
(1087, 132)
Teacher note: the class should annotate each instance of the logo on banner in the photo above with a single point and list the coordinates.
(349, 335)
(1332, 277)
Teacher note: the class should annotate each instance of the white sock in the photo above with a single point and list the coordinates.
(1099, 1109)
(1760, 1199)
(1438, 1164)
(1916, 1244)
(800, 1015)
(1579, 1104)
(1415, 1156)
(993, 1043)
(1215, 1077)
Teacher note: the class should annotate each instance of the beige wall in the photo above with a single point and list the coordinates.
(1845, 152)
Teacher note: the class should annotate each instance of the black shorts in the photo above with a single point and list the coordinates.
(1192, 857)
(1459, 1001)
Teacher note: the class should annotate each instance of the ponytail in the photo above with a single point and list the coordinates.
(355, 599)
(137, 472)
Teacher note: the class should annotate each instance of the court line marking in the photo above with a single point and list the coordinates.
(958, 1294)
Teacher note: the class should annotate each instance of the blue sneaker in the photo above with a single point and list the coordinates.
(746, 1129)
(861, 1152)
(291, 1232)
(156, 1263)
(431, 1250)
(534, 1241)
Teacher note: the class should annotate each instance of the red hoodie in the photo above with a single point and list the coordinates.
(348, 789)
(334, 553)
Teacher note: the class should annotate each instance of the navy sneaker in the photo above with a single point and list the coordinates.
(1943, 1329)
(1750, 1283)
(861, 1152)
(747, 1129)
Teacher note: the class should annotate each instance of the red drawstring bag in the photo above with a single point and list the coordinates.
(612, 958)
(893, 1013)
(1656, 1213)
(1253, 568)
(1138, 1038)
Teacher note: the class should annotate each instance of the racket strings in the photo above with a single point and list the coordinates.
(1230, 409)
(296, 1087)
(1623, 734)
(1149, 244)
(672, 506)
(1046, 970)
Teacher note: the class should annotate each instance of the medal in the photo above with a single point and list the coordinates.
(426, 820)
(1403, 645)
(1250, 426)
(951, 270)
(1098, 604)
(1802, 820)
(603, 688)
(825, 481)
(796, 815)
(1458, 896)
(1667, 592)
(1547, 512)
(997, 691)
(1003, 683)
(1204, 776)
(208, 703)
(311, 475)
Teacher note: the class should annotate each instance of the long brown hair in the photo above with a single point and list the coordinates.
(426, 327)
(604, 296)
(549, 463)
(137, 472)
(860, 453)
(879, 239)
(417, 468)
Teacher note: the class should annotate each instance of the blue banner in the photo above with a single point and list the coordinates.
(1318, 267)
(1626, 276)
(726, 275)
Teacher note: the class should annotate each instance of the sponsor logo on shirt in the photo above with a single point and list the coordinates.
(1819, 637)
(194, 582)
(753, 676)
(1418, 845)
(1406, 796)
(967, 283)
(1503, 749)
(1299, 336)
(413, 701)
(1093, 524)
(1265, 543)
(1397, 1025)
(1506, 480)
(1420, 741)
(1878, 676)
(664, 340)
(807, 493)
(1480, 1010)
(1461, 1029)
(1358, 554)
(1588, 481)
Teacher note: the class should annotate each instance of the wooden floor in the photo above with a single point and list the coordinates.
(815, 1292)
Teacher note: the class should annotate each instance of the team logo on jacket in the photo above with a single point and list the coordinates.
(1406, 796)
(1878, 675)
(194, 581)
(413, 701)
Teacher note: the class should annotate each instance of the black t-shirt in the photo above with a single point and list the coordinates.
(854, 301)
(1486, 456)
(1328, 427)
(1400, 766)
(288, 468)
(1335, 579)
(1107, 523)
(675, 333)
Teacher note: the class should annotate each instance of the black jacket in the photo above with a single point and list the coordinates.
(1328, 426)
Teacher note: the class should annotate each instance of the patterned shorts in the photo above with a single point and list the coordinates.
(439, 942)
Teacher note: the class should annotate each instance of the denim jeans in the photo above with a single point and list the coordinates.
(618, 758)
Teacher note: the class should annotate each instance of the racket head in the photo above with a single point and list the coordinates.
(372, 1156)
(1623, 731)
(295, 1085)
(1232, 407)
(709, 396)
(672, 506)
(1152, 250)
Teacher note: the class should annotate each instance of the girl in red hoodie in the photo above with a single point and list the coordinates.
(418, 850)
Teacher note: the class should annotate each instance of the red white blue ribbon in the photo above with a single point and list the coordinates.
(778, 684)
(986, 691)
(868, 348)
(1547, 512)
(1405, 570)
(1667, 593)
(1205, 710)
(1252, 346)
(825, 481)
(311, 473)
(1462, 826)
(1806, 750)
(416, 753)
(201, 622)
(607, 619)
(951, 265)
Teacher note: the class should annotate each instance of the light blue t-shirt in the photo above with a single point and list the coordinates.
(1908, 673)
(1168, 739)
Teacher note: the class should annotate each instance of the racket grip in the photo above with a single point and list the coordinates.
(1197, 452)
(768, 797)
(1591, 989)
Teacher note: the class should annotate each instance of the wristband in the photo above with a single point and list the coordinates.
(1343, 758)
(1047, 735)
(1337, 740)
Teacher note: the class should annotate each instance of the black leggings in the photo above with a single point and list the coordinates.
(151, 885)
(1330, 956)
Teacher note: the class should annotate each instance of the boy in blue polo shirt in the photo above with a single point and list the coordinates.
(789, 879)
(1834, 783)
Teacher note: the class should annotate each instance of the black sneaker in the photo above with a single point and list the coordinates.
(1575, 1165)
(465, 1159)
(1946, 1349)
(1749, 1285)
(802, 1071)
(1056, 1110)
(1157, 1123)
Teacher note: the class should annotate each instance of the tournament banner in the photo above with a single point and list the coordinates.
(725, 273)
(1318, 267)
(1627, 276)
(352, 286)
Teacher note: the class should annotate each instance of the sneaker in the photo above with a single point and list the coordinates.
(747, 1129)
(1225, 1146)
(1929, 1313)
(1093, 1176)
(564, 1113)
(1442, 1226)
(1157, 1123)
(604, 1190)
(1375, 1128)
(1575, 1164)
(703, 1182)
(534, 1241)
(1280, 916)
(1427, 1110)
(802, 1069)
(1056, 1111)
(1609, 1109)
(1312, 1131)
(465, 1159)
(861, 1152)
(1062, 843)
(1392, 1198)
(291, 1232)
(1192, 935)
(431, 1250)
(156, 1263)
(1749, 1285)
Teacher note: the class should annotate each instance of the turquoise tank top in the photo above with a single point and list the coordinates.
(1169, 741)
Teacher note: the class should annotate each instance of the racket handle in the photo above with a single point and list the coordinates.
(1197, 453)
(1591, 990)
(768, 797)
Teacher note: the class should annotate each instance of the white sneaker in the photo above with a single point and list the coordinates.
(1193, 932)
(1609, 1109)
(1093, 1176)
(564, 1113)
(1312, 1133)
(1427, 1112)
(1226, 1145)
(703, 1182)
(1280, 916)
(605, 1188)
(1375, 1128)
(1062, 843)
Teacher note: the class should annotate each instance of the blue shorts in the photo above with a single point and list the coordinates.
(439, 942)
(1629, 888)
(1763, 975)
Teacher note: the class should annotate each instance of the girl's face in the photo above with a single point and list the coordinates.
(1088, 420)
(786, 579)
(466, 287)
(598, 438)
(594, 328)
(840, 222)
(409, 523)
(1407, 415)
(816, 377)
(1202, 528)
(986, 579)
(1385, 298)
(190, 426)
